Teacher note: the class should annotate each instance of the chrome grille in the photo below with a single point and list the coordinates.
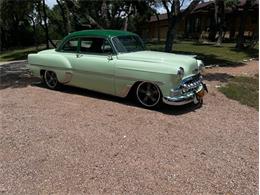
(191, 83)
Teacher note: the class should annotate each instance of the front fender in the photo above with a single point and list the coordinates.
(126, 76)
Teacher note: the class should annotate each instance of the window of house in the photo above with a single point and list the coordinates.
(70, 46)
(95, 46)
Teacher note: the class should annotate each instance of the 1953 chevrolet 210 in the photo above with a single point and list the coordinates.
(116, 62)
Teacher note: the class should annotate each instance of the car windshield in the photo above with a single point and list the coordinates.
(130, 43)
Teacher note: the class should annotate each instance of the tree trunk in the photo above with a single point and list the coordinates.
(46, 30)
(170, 36)
(216, 16)
(104, 14)
(127, 18)
(93, 22)
(126, 23)
(158, 28)
(2, 39)
(220, 21)
(65, 17)
(15, 36)
(241, 38)
(35, 36)
(46, 27)
(34, 31)
(174, 15)
(212, 28)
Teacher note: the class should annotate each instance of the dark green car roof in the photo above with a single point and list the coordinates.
(97, 33)
(100, 33)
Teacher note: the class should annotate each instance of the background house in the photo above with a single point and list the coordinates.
(200, 23)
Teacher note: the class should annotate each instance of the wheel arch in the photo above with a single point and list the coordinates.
(55, 62)
(62, 75)
(133, 88)
(135, 85)
(42, 71)
(158, 100)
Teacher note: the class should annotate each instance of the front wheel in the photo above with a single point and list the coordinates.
(148, 94)
(50, 79)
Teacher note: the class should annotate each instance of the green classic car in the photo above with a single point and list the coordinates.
(117, 63)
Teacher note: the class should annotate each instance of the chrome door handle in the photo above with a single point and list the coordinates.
(79, 55)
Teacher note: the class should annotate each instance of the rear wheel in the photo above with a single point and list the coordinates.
(148, 94)
(50, 79)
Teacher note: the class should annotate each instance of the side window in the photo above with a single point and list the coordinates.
(106, 47)
(85, 45)
(95, 46)
(70, 46)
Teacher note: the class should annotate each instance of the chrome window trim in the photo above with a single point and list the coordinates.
(79, 41)
(123, 36)
(61, 46)
(105, 38)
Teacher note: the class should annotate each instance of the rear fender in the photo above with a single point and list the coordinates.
(54, 62)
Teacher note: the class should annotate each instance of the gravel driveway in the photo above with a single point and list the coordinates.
(74, 141)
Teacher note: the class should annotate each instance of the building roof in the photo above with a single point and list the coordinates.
(101, 33)
(165, 16)
(161, 17)
(203, 7)
(244, 2)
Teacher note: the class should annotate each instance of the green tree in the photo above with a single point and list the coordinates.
(241, 42)
(220, 7)
(64, 12)
(43, 20)
(116, 14)
(15, 25)
(173, 9)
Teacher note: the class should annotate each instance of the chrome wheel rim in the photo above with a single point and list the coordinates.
(148, 94)
(50, 79)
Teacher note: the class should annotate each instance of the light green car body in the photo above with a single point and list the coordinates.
(117, 73)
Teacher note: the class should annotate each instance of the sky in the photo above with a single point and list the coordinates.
(50, 3)
(161, 10)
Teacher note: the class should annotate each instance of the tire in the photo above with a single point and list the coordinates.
(148, 95)
(50, 79)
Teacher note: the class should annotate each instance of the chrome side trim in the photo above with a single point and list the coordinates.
(49, 67)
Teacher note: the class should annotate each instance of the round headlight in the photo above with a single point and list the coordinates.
(180, 72)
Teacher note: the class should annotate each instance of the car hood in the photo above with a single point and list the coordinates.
(163, 59)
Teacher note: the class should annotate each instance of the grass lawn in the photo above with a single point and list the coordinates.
(210, 54)
(18, 54)
(243, 89)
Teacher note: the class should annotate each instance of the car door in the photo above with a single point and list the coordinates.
(92, 67)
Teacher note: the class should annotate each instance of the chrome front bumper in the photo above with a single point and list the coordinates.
(186, 98)
(178, 101)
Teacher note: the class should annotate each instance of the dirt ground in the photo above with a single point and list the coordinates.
(74, 141)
